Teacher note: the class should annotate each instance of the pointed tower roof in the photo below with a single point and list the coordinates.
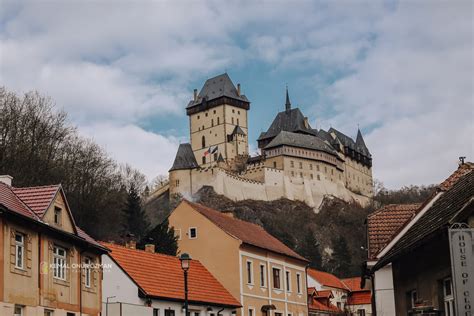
(184, 158)
(287, 103)
(360, 143)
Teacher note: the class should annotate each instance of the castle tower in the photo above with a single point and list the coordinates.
(218, 121)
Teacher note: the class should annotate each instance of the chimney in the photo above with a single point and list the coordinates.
(195, 94)
(306, 125)
(150, 248)
(6, 179)
(132, 244)
(228, 213)
(238, 89)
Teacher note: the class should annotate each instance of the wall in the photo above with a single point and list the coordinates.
(384, 292)
(422, 270)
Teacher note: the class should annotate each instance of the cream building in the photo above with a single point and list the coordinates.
(49, 266)
(266, 276)
(295, 162)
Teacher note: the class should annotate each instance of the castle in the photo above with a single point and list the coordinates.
(295, 161)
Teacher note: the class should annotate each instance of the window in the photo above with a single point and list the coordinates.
(301, 174)
(87, 271)
(292, 173)
(301, 165)
(48, 312)
(198, 117)
(317, 167)
(203, 159)
(238, 112)
(278, 314)
(232, 120)
(276, 279)
(361, 312)
(212, 122)
(274, 164)
(57, 216)
(177, 183)
(19, 250)
(206, 114)
(288, 281)
(262, 275)
(311, 175)
(292, 163)
(218, 121)
(448, 297)
(203, 141)
(169, 312)
(59, 263)
(71, 314)
(18, 310)
(233, 111)
(310, 166)
(251, 312)
(249, 272)
(192, 233)
(298, 283)
(319, 178)
(238, 122)
(413, 298)
(156, 312)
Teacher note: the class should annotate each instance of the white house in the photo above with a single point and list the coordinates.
(323, 281)
(145, 283)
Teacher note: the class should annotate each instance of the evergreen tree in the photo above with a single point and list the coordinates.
(136, 221)
(164, 239)
(310, 249)
(340, 263)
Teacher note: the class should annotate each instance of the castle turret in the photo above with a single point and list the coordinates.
(214, 115)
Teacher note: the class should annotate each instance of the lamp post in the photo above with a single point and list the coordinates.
(185, 262)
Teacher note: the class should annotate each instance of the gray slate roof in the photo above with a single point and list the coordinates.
(440, 215)
(301, 141)
(184, 158)
(349, 142)
(360, 144)
(217, 87)
(290, 121)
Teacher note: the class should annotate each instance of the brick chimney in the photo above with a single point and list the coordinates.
(150, 248)
(195, 94)
(132, 244)
(228, 213)
(238, 89)
(6, 179)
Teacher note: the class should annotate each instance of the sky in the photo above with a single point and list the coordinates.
(125, 70)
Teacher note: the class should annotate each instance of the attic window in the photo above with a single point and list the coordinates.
(57, 216)
(192, 233)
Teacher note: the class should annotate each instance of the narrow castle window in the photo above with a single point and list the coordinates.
(233, 111)
(232, 120)
(238, 122)
(206, 114)
(292, 163)
(203, 159)
(212, 122)
(198, 117)
(274, 164)
(214, 111)
(218, 121)
(319, 178)
(203, 141)
(311, 175)
(301, 165)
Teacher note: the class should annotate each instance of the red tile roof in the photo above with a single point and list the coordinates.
(327, 279)
(385, 223)
(354, 284)
(161, 276)
(325, 293)
(360, 298)
(320, 301)
(37, 198)
(454, 177)
(248, 233)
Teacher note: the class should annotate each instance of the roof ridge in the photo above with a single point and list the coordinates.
(22, 202)
(104, 243)
(37, 187)
(387, 206)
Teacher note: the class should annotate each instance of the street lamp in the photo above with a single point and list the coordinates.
(185, 262)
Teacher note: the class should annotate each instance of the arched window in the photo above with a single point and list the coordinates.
(203, 141)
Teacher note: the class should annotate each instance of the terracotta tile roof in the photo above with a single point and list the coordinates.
(456, 175)
(444, 211)
(248, 233)
(327, 279)
(385, 223)
(354, 284)
(360, 298)
(37, 198)
(10, 201)
(325, 293)
(320, 301)
(161, 276)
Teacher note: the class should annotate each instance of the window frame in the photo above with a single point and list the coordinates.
(22, 310)
(190, 234)
(288, 280)
(59, 263)
(249, 269)
(57, 216)
(263, 276)
(20, 249)
(88, 272)
(279, 278)
(298, 283)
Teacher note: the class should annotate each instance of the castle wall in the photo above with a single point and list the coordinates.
(358, 177)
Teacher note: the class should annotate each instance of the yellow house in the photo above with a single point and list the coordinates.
(266, 276)
(49, 266)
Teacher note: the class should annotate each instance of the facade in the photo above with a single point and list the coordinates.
(419, 253)
(295, 161)
(265, 276)
(359, 302)
(324, 281)
(49, 266)
(145, 283)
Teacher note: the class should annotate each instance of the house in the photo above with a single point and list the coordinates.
(142, 282)
(267, 277)
(49, 266)
(382, 227)
(359, 302)
(326, 281)
(319, 303)
(420, 252)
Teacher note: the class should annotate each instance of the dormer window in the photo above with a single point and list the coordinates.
(57, 216)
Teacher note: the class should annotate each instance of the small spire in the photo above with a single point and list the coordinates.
(288, 103)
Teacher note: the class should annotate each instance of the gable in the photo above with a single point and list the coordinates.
(66, 221)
